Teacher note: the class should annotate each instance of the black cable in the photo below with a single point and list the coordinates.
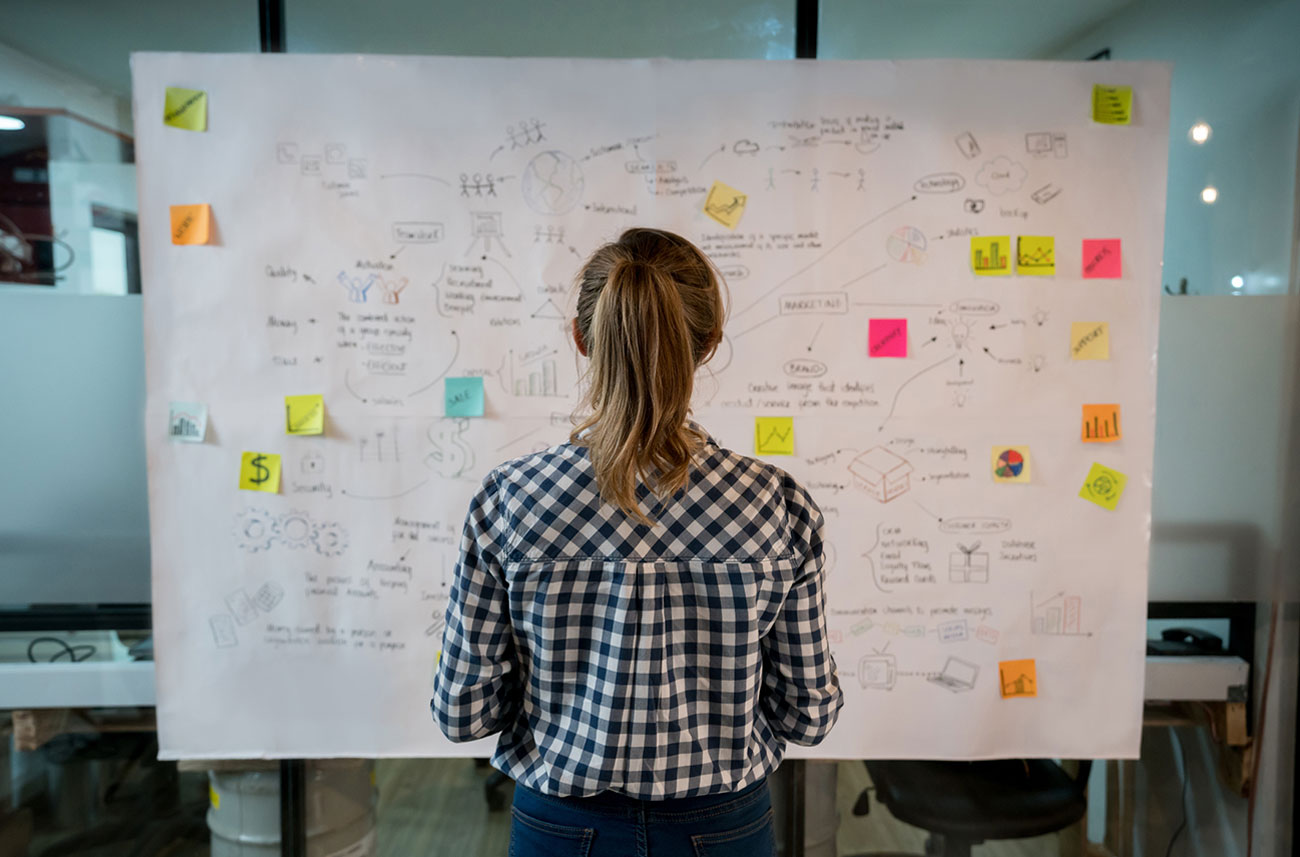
(1182, 755)
(76, 654)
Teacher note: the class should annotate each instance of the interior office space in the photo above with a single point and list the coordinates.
(82, 286)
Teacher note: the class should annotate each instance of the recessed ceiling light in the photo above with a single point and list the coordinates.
(1200, 132)
(1238, 282)
(11, 123)
(1210, 194)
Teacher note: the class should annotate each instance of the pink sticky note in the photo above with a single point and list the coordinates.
(887, 337)
(1101, 259)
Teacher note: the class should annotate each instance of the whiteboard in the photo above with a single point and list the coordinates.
(383, 224)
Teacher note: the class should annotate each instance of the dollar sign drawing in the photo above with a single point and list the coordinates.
(263, 473)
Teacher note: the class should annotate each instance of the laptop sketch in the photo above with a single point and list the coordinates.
(957, 675)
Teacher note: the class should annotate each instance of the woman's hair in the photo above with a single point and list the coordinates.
(650, 311)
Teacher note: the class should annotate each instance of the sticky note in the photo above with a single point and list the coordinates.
(213, 797)
(725, 204)
(1018, 678)
(187, 422)
(1101, 258)
(304, 414)
(1112, 105)
(1100, 423)
(1089, 340)
(186, 109)
(259, 471)
(774, 435)
(990, 255)
(1103, 486)
(887, 337)
(463, 397)
(191, 224)
(1010, 464)
(1036, 255)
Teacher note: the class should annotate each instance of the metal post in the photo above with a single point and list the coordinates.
(293, 804)
(806, 13)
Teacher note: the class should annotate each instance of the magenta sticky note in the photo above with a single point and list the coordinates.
(1101, 259)
(887, 337)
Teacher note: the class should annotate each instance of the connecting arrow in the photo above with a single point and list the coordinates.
(815, 335)
(399, 250)
(928, 341)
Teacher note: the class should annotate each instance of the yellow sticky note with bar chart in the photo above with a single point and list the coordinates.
(774, 435)
(1036, 255)
(990, 255)
(725, 204)
(304, 414)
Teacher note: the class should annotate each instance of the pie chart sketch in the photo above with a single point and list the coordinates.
(1010, 464)
(552, 183)
(906, 244)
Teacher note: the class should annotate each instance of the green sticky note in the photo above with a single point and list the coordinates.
(304, 414)
(464, 397)
(774, 435)
(1112, 105)
(1103, 486)
(186, 109)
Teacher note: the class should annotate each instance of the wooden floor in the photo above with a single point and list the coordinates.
(434, 807)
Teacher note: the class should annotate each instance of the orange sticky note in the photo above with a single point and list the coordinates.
(191, 224)
(1101, 423)
(1018, 678)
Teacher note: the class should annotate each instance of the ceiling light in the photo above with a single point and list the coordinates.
(1200, 132)
(1238, 282)
(1210, 194)
(11, 123)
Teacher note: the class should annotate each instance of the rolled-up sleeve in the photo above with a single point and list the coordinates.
(801, 689)
(475, 688)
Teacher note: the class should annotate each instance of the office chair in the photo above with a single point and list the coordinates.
(962, 804)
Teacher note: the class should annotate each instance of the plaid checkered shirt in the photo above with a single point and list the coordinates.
(657, 662)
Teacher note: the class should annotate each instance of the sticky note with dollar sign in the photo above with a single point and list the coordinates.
(259, 471)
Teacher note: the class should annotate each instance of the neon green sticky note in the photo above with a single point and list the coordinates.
(1036, 255)
(990, 255)
(1112, 105)
(1103, 486)
(186, 109)
(304, 414)
(774, 435)
(259, 471)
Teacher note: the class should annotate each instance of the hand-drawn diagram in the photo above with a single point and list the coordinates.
(882, 474)
(851, 206)
(958, 675)
(257, 530)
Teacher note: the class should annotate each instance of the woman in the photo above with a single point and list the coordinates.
(638, 611)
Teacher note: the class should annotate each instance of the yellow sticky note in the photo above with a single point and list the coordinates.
(725, 204)
(259, 471)
(1089, 340)
(1100, 423)
(1018, 678)
(186, 109)
(304, 414)
(990, 255)
(1103, 486)
(774, 435)
(213, 797)
(1112, 105)
(1010, 464)
(191, 224)
(1036, 255)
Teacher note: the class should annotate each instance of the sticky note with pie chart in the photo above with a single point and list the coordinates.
(1010, 464)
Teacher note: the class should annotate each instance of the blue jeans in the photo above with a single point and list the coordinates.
(738, 824)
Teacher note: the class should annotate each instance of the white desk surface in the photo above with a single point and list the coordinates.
(123, 684)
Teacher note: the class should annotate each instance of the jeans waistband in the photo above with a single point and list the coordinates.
(619, 803)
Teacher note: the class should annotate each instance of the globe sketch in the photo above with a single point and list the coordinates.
(552, 183)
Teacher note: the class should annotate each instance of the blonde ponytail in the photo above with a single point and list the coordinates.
(650, 311)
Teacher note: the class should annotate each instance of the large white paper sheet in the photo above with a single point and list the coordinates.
(382, 224)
